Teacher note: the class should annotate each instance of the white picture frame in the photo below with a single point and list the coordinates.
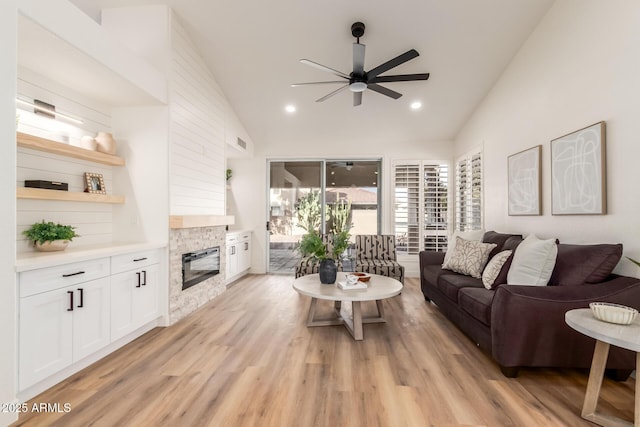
(524, 182)
(578, 172)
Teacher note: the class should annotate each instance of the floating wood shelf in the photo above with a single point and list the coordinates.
(193, 221)
(69, 196)
(48, 146)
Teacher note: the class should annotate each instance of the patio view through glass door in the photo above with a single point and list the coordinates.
(318, 185)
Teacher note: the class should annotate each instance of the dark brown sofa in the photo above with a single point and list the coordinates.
(523, 326)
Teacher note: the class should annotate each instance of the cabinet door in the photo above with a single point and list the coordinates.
(232, 260)
(146, 298)
(123, 287)
(45, 335)
(244, 259)
(91, 317)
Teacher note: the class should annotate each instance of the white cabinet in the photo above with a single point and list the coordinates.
(134, 292)
(64, 321)
(238, 260)
(80, 311)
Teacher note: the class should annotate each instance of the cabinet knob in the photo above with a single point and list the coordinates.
(138, 274)
(144, 277)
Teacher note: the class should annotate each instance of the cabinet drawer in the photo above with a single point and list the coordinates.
(244, 237)
(46, 279)
(134, 260)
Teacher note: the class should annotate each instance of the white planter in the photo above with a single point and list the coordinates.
(52, 245)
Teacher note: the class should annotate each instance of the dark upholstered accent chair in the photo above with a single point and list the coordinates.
(309, 265)
(376, 254)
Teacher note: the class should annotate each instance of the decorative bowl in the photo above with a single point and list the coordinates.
(362, 277)
(613, 313)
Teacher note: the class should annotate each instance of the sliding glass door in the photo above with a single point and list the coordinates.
(301, 194)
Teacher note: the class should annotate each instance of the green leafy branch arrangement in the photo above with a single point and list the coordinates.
(48, 231)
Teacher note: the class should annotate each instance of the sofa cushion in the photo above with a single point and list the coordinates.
(477, 303)
(494, 267)
(533, 262)
(450, 284)
(431, 274)
(580, 264)
(469, 257)
(475, 235)
(499, 239)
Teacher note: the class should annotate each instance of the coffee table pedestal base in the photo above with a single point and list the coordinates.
(354, 326)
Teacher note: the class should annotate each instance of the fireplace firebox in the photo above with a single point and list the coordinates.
(200, 265)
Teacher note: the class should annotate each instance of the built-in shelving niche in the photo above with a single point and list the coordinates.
(53, 147)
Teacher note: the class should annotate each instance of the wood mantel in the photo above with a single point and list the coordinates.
(192, 221)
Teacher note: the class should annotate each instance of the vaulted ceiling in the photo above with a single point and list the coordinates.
(253, 48)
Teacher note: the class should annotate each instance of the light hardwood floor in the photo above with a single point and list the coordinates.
(247, 359)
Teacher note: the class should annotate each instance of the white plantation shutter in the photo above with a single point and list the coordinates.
(420, 206)
(469, 193)
(435, 214)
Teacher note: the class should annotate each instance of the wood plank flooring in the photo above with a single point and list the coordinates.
(247, 359)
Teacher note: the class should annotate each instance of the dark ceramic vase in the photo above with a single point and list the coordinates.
(328, 271)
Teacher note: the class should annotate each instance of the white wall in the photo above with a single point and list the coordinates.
(580, 66)
(248, 193)
(197, 131)
(8, 311)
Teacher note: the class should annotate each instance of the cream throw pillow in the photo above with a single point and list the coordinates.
(466, 235)
(469, 257)
(533, 262)
(493, 268)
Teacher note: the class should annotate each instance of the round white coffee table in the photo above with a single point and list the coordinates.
(606, 334)
(380, 287)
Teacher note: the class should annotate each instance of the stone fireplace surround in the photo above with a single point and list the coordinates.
(183, 240)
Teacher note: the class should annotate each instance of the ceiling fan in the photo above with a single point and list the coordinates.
(359, 80)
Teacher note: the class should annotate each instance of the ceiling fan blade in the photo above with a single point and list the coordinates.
(332, 93)
(316, 83)
(357, 98)
(358, 58)
(399, 78)
(324, 68)
(401, 59)
(383, 90)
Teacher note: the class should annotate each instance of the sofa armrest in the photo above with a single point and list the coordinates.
(528, 327)
(430, 258)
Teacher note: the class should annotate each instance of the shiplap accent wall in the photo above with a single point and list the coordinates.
(93, 221)
(197, 131)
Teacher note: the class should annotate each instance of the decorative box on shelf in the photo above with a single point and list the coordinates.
(49, 185)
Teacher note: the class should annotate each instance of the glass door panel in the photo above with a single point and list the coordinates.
(289, 183)
(320, 184)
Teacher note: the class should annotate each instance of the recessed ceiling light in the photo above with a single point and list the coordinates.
(416, 105)
(290, 108)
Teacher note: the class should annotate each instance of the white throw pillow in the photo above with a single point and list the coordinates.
(533, 262)
(491, 271)
(475, 235)
(469, 257)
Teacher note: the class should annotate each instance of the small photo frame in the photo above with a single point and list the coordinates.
(94, 183)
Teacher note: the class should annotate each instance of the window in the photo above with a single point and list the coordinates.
(420, 206)
(469, 192)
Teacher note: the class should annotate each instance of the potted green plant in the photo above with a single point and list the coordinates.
(49, 236)
(312, 245)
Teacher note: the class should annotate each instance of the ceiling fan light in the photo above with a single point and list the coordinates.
(357, 86)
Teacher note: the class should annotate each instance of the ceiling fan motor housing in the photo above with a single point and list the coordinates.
(357, 29)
